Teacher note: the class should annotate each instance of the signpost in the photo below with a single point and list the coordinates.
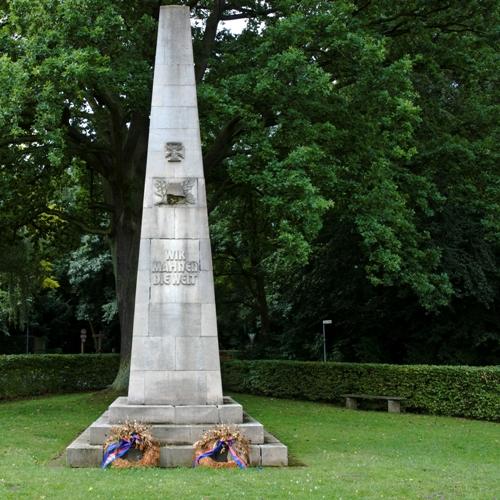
(325, 322)
(83, 338)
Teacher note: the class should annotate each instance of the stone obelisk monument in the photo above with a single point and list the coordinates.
(175, 354)
(175, 380)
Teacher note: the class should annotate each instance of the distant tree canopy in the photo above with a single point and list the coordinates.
(349, 150)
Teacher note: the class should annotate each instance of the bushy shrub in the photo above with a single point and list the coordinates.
(31, 375)
(459, 391)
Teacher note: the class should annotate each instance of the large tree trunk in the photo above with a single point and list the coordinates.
(125, 255)
(125, 193)
(255, 262)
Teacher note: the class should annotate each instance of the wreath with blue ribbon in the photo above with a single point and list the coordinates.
(222, 447)
(127, 437)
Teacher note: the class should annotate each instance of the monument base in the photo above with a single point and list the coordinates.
(176, 428)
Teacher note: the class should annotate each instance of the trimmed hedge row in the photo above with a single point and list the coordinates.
(31, 375)
(459, 391)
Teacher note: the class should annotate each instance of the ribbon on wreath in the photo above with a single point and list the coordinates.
(220, 445)
(119, 449)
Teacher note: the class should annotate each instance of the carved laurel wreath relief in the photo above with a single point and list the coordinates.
(174, 193)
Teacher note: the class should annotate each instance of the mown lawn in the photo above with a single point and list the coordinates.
(336, 453)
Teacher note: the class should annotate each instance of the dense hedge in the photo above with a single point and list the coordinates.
(445, 390)
(30, 375)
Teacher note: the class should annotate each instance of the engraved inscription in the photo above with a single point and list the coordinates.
(174, 269)
(174, 151)
(174, 193)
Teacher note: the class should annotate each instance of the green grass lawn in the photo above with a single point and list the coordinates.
(335, 453)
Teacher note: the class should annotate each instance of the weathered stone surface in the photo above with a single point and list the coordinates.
(230, 413)
(199, 293)
(351, 403)
(189, 223)
(178, 117)
(81, 454)
(122, 410)
(214, 386)
(175, 320)
(255, 458)
(269, 438)
(87, 455)
(158, 223)
(141, 320)
(86, 450)
(175, 383)
(173, 74)
(192, 414)
(190, 138)
(205, 255)
(175, 357)
(176, 456)
(171, 96)
(254, 429)
(393, 406)
(274, 455)
(196, 353)
(173, 434)
(153, 353)
(178, 432)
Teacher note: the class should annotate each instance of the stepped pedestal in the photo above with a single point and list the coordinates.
(177, 438)
(175, 381)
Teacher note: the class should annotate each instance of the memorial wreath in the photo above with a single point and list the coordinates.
(222, 447)
(131, 437)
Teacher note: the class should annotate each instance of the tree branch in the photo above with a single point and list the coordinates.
(118, 127)
(76, 222)
(223, 143)
(136, 139)
(93, 153)
(246, 13)
(102, 206)
(209, 39)
(22, 139)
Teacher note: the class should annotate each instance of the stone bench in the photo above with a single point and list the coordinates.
(393, 402)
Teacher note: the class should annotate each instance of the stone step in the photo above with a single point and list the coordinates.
(230, 412)
(271, 453)
(80, 453)
(176, 434)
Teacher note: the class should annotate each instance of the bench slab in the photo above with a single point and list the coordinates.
(370, 396)
(393, 402)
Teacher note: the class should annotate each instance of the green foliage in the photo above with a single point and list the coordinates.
(350, 152)
(73, 128)
(24, 273)
(90, 273)
(458, 391)
(386, 113)
(31, 375)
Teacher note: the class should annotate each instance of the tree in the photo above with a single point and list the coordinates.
(89, 270)
(75, 93)
(318, 114)
(24, 273)
(450, 188)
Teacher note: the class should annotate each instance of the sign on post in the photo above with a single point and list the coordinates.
(325, 322)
